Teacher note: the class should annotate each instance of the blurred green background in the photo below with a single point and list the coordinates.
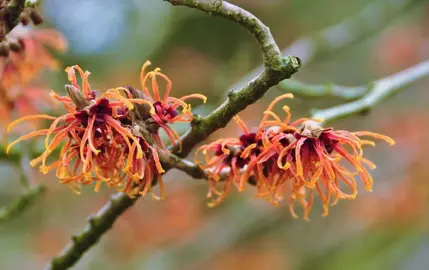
(385, 229)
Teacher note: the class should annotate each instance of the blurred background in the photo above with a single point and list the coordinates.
(385, 229)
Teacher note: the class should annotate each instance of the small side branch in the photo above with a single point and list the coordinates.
(378, 91)
(236, 102)
(323, 91)
(190, 168)
(276, 69)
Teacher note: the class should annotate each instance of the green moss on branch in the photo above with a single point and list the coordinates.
(236, 102)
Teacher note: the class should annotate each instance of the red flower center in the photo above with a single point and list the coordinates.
(165, 112)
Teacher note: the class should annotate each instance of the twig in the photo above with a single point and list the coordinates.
(171, 161)
(369, 95)
(380, 90)
(97, 226)
(323, 91)
(277, 68)
(21, 204)
(14, 9)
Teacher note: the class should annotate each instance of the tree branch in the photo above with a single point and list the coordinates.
(236, 102)
(369, 95)
(97, 226)
(378, 91)
(277, 68)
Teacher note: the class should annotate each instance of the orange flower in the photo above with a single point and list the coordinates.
(219, 155)
(166, 107)
(317, 158)
(236, 153)
(98, 139)
(299, 159)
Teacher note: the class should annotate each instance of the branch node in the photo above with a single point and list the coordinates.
(232, 95)
(290, 65)
(364, 111)
(92, 221)
(196, 120)
(75, 239)
(217, 5)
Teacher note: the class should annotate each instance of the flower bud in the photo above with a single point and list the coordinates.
(311, 129)
(4, 49)
(77, 97)
(36, 17)
(24, 18)
(14, 46)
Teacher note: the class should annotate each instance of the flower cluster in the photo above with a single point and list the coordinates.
(109, 137)
(18, 71)
(294, 159)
